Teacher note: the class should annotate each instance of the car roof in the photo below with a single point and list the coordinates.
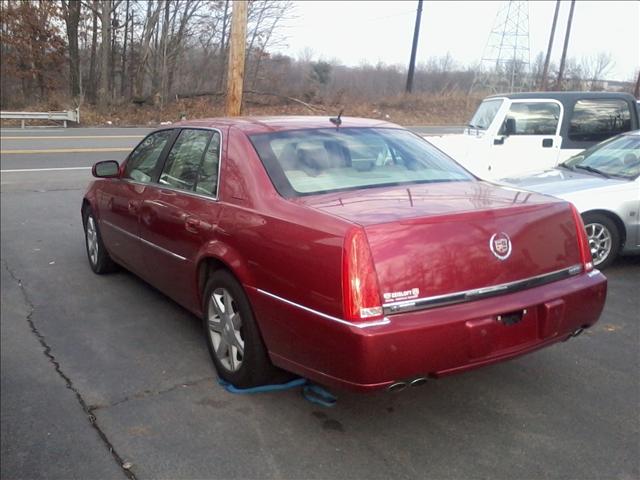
(566, 96)
(251, 125)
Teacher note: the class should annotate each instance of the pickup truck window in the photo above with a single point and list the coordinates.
(598, 119)
(485, 114)
(535, 118)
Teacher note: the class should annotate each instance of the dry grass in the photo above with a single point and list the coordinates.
(416, 109)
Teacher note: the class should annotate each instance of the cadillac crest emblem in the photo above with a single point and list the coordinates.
(500, 245)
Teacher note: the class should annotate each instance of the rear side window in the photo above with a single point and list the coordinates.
(599, 119)
(185, 158)
(144, 159)
(535, 118)
(207, 183)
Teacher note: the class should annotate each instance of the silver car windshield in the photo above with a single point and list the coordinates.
(485, 114)
(618, 157)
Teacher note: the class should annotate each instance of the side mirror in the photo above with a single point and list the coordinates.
(509, 127)
(106, 169)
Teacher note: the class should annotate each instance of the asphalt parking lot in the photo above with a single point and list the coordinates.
(101, 372)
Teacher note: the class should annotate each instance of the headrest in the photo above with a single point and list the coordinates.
(314, 157)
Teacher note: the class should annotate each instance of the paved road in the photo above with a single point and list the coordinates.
(78, 347)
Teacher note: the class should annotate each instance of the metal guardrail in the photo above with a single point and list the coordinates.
(64, 116)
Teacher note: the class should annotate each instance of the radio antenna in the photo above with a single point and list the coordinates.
(337, 121)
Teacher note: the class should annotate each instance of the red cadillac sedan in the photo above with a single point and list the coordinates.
(348, 251)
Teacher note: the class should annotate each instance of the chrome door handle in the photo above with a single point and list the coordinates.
(134, 206)
(192, 225)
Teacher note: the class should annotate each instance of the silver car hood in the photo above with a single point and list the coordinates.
(561, 182)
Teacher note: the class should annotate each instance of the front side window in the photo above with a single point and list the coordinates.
(207, 183)
(185, 158)
(618, 157)
(535, 118)
(144, 159)
(598, 119)
(303, 162)
(485, 114)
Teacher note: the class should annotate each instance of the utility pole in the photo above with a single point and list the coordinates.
(235, 68)
(636, 91)
(545, 70)
(414, 49)
(566, 44)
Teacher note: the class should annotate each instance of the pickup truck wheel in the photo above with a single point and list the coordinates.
(233, 338)
(99, 258)
(604, 239)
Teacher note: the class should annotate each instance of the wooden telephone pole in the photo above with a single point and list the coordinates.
(414, 49)
(545, 71)
(235, 68)
(566, 45)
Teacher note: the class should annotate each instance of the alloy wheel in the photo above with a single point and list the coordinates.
(92, 240)
(225, 329)
(599, 242)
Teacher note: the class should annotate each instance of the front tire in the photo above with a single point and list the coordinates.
(604, 239)
(233, 338)
(99, 258)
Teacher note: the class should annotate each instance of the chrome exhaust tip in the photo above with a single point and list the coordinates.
(416, 382)
(577, 332)
(397, 387)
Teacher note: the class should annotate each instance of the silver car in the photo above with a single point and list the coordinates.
(603, 183)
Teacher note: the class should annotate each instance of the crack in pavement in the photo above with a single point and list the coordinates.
(149, 393)
(69, 384)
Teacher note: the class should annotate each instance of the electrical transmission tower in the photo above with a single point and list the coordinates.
(506, 59)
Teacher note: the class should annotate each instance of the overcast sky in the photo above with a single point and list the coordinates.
(354, 32)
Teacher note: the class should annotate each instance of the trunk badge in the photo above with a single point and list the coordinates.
(500, 245)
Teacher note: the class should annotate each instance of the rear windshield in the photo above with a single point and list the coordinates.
(304, 162)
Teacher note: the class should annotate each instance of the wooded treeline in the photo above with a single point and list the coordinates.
(108, 52)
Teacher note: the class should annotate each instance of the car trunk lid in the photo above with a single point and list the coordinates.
(438, 240)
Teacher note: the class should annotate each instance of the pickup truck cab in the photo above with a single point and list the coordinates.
(515, 134)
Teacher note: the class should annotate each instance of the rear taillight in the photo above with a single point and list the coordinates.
(583, 241)
(359, 280)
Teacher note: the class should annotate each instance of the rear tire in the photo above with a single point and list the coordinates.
(233, 337)
(99, 258)
(604, 239)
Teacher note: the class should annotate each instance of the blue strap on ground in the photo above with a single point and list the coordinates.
(312, 392)
(318, 395)
(298, 382)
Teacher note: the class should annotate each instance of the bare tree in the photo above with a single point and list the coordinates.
(94, 43)
(264, 18)
(595, 67)
(149, 28)
(104, 9)
(123, 67)
(71, 15)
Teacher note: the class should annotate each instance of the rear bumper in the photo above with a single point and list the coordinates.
(433, 342)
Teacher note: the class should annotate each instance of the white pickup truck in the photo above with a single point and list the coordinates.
(515, 134)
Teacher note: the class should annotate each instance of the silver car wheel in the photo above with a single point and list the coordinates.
(225, 325)
(92, 240)
(599, 242)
